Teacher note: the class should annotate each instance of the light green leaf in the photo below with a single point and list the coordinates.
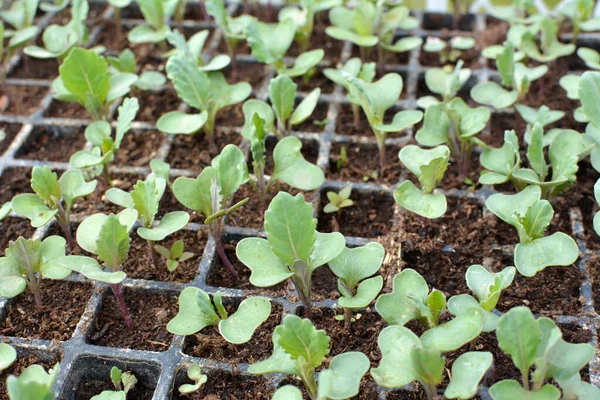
(558, 249)
(511, 389)
(169, 224)
(85, 75)
(73, 186)
(267, 269)
(12, 283)
(519, 336)
(366, 292)
(112, 245)
(346, 371)
(292, 168)
(89, 268)
(426, 205)
(467, 371)
(494, 95)
(395, 368)
(451, 335)
(589, 93)
(301, 340)
(326, 247)
(195, 193)
(8, 355)
(240, 326)
(196, 311)
(355, 264)
(305, 108)
(180, 123)
(282, 92)
(33, 207)
(288, 392)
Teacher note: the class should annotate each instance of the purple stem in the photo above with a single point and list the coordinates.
(117, 290)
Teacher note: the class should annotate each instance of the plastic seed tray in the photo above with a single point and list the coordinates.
(160, 372)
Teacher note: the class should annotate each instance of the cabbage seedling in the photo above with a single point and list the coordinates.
(118, 6)
(84, 78)
(456, 125)
(174, 255)
(193, 47)
(354, 268)
(156, 13)
(53, 198)
(451, 50)
(580, 12)
(376, 98)
(123, 383)
(270, 43)
(211, 192)
(208, 92)
(429, 166)
(194, 373)
(125, 63)
(197, 311)
(550, 47)
(303, 16)
(337, 201)
(16, 40)
(8, 355)
(20, 14)
(299, 349)
(34, 383)
(531, 215)
(538, 343)
(293, 248)
(590, 57)
(99, 134)
(445, 82)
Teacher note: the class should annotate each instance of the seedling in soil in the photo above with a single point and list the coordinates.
(290, 165)
(429, 166)
(197, 311)
(8, 355)
(125, 63)
(407, 358)
(342, 159)
(518, 13)
(538, 343)
(27, 262)
(376, 98)
(193, 49)
(445, 82)
(299, 349)
(194, 373)
(105, 147)
(233, 28)
(355, 268)
(20, 16)
(515, 76)
(550, 47)
(531, 216)
(118, 6)
(123, 383)
(487, 288)
(451, 50)
(456, 125)
(590, 57)
(293, 248)
(566, 149)
(544, 116)
(155, 30)
(16, 40)
(354, 66)
(34, 383)
(85, 79)
(212, 191)
(370, 24)
(145, 199)
(208, 92)
(53, 198)
(271, 42)
(303, 16)
(338, 201)
(19, 13)
(174, 255)
(580, 12)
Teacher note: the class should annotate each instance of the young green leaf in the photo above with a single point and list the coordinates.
(195, 374)
(8, 355)
(33, 383)
(337, 201)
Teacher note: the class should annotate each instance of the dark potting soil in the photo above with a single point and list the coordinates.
(139, 265)
(370, 216)
(224, 385)
(320, 40)
(63, 304)
(495, 32)
(67, 110)
(318, 80)
(150, 314)
(253, 73)
(14, 181)
(21, 100)
(34, 68)
(23, 361)
(444, 22)
(88, 389)
(154, 104)
(230, 116)
(11, 228)
(317, 120)
(47, 143)
(209, 343)
(10, 132)
(110, 38)
(138, 149)
(241, 49)
(97, 201)
(362, 163)
(193, 151)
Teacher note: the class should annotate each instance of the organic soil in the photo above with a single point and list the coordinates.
(10, 131)
(139, 148)
(318, 80)
(36, 69)
(66, 110)
(21, 100)
(193, 151)
(14, 181)
(362, 163)
(230, 116)
(223, 385)
(388, 57)
(150, 314)
(52, 143)
(97, 201)
(154, 104)
(253, 73)
(317, 120)
(88, 389)
(63, 304)
(11, 228)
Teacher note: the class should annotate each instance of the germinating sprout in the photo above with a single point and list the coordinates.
(193, 47)
(580, 12)
(155, 29)
(445, 82)
(450, 50)
(123, 383)
(174, 255)
(125, 63)
(338, 201)
(194, 373)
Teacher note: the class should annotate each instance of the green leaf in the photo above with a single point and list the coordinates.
(287, 392)
(146, 195)
(267, 269)
(8, 355)
(5, 209)
(120, 85)
(302, 341)
(90, 268)
(519, 336)
(270, 42)
(33, 207)
(303, 63)
(558, 249)
(494, 95)
(112, 245)
(196, 312)
(346, 371)
(45, 184)
(460, 304)
(430, 206)
(180, 123)
(73, 186)
(327, 246)
(511, 207)
(12, 283)
(279, 361)
(191, 84)
(435, 130)
(263, 111)
(240, 326)
(455, 333)
(366, 292)
(127, 112)
(353, 265)
(89, 229)
(85, 75)
(589, 93)
(147, 34)
(483, 283)
(511, 389)
(195, 193)
(169, 224)
(305, 108)
(401, 121)
(282, 93)
(402, 304)
(110, 395)
(467, 371)
(33, 383)
(292, 168)
(395, 368)
(403, 44)
(232, 170)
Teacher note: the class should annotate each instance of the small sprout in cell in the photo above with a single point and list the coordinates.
(161, 169)
(34, 383)
(8, 355)
(194, 373)
(429, 167)
(123, 383)
(197, 311)
(299, 349)
(156, 14)
(451, 50)
(342, 159)
(125, 63)
(174, 255)
(193, 47)
(337, 201)
(445, 82)
(16, 40)
(303, 15)
(550, 47)
(293, 248)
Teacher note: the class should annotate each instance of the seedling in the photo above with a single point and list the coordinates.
(85, 79)
(303, 16)
(449, 51)
(208, 92)
(445, 82)
(342, 159)
(550, 47)
(8, 355)
(271, 42)
(16, 40)
(337, 201)
(375, 99)
(118, 6)
(155, 30)
(515, 76)
(34, 383)
(456, 125)
(99, 134)
(53, 198)
(197, 311)
(429, 166)
(123, 383)
(516, 13)
(299, 349)
(211, 192)
(538, 343)
(354, 268)
(487, 288)
(293, 248)
(580, 12)
(20, 13)
(193, 49)
(145, 199)
(194, 373)
(174, 255)
(590, 56)
(531, 215)
(125, 63)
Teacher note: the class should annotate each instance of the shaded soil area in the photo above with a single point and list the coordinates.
(11, 229)
(150, 314)
(21, 100)
(63, 109)
(253, 73)
(97, 201)
(194, 153)
(138, 149)
(52, 143)
(469, 57)
(316, 79)
(224, 385)
(34, 68)
(317, 120)
(154, 104)
(10, 132)
(63, 304)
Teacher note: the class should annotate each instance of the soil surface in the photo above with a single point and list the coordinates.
(139, 148)
(223, 385)
(88, 389)
(194, 153)
(14, 181)
(154, 104)
(34, 68)
(362, 163)
(52, 143)
(11, 228)
(21, 100)
(63, 109)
